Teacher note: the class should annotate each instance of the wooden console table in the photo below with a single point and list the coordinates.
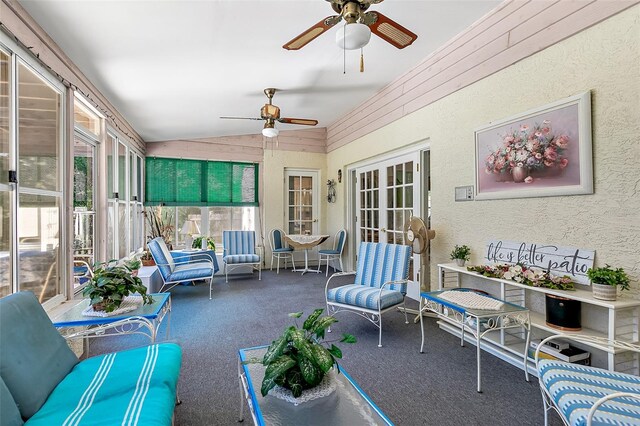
(621, 318)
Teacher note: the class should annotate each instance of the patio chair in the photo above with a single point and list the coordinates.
(175, 268)
(279, 250)
(584, 395)
(240, 250)
(338, 246)
(380, 284)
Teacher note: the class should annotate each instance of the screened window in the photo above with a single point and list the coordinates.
(175, 182)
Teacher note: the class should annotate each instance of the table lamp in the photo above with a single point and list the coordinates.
(190, 228)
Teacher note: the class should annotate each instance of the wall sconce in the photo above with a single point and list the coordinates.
(339, 175)
(331, 191)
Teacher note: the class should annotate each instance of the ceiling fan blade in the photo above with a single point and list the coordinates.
(389, 30)
(241, 118)
(313, 32)
(302, 121)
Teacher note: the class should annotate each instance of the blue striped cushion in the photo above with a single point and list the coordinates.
(364, 296)
(380, 262)
(241, 258)
(575, 388)
(137, 386)
(191, 271)
(238, 242)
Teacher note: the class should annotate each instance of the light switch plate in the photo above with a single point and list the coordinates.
(464, 193)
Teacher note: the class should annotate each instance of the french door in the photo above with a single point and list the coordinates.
(387, 194)
(301, 198)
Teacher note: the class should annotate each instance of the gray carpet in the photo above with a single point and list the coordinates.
(434, 388)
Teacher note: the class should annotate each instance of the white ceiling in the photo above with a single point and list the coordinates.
(173, 67)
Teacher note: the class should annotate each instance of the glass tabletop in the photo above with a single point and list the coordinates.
(507, 307)
(347, 405)
(73, 317)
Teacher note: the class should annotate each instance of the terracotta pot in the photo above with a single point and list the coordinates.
(148, 262)
(519, 174)
(604, 291)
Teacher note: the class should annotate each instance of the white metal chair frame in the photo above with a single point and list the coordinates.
(547, 400)
(331, 256)
(190, 258)
(374, 316)
(255, 265)
(281, 254)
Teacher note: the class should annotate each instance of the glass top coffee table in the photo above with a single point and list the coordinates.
(347, 405)
(144, 320)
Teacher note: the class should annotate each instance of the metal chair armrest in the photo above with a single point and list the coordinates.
(186, 262)
(604, 399)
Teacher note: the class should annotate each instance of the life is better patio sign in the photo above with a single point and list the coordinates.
(571, 261)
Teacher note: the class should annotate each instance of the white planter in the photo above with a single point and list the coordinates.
(460, 262)
(326, 387)
(604, 291)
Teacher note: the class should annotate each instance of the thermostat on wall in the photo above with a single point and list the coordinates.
(464, 193)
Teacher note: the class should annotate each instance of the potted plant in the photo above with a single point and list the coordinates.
(606, 280)
(299, 359)
(460, 254)
(197, 243)
(109, 286)
(133, 265)
(160, 224)
(147, 259)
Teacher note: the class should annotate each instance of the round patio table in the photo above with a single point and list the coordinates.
(305, 242)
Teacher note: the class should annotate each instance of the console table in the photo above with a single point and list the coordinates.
(621, 318)
(347, 405)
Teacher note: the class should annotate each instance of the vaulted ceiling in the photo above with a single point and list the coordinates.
(173, 67)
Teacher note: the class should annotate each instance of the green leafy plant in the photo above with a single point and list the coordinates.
(299, 359)
(606, 275)
(460, 252)
(197, 243)
(159, 224)
(110, 284)
(132, 264)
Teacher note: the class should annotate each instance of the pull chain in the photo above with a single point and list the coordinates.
(344, 50)
(361, 60)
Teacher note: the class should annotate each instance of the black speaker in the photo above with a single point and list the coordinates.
(563, 313)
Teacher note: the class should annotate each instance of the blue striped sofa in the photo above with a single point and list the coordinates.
(380, 283)
(43, 383)
(584, 395)
(240, 250)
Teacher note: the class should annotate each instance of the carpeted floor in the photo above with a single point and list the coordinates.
(434, 388)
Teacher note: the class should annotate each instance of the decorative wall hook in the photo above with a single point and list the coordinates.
(331, 191)
(339, 175)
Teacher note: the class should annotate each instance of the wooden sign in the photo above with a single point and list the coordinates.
(556, 260)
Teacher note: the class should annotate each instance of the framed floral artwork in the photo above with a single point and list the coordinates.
(539, 153)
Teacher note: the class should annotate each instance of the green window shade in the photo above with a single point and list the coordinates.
(175, 182)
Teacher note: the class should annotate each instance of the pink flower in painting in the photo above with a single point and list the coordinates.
(538, 156)
(550, 154)
(546, 130)
(546, 122)
(562, 141)
(499, 165)
(564, 163)
(508, 140)
(524, 128)
(538, 134)
(548, 163)
(528, 179)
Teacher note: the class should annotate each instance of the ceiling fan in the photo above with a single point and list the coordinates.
(270, 113)
(358, 28)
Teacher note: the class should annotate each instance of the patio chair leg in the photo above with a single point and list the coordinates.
(380, 332)
(271, 269)
(326, 274)
(226, 274)
(341, 267)
(260, 271)
(404, 309)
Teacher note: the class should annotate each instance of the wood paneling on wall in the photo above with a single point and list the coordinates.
(240, 148)
(513, 31)
(20, 24)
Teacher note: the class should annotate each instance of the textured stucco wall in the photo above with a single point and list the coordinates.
(604, 59)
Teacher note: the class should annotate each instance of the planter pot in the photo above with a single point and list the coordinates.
(325, 388)
(563, 313)
(604, 291)
(149, 262)
(134, 273)
(460, 262)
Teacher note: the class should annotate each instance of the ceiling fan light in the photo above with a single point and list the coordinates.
(353, 36)
(270, 132)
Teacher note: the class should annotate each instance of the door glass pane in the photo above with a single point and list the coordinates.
(38, 245)
(110, 164)
(398, 174)
(5, 232)
(122, 172)
(38, 132)
(408, 172)
(306, 183)
(4, 118)
(390, 176)
(111, 220)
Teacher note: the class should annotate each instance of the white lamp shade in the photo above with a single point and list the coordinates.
(190, 227)
(353, 36)
(270, 132)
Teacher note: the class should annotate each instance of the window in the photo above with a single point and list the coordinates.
(31, 145)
